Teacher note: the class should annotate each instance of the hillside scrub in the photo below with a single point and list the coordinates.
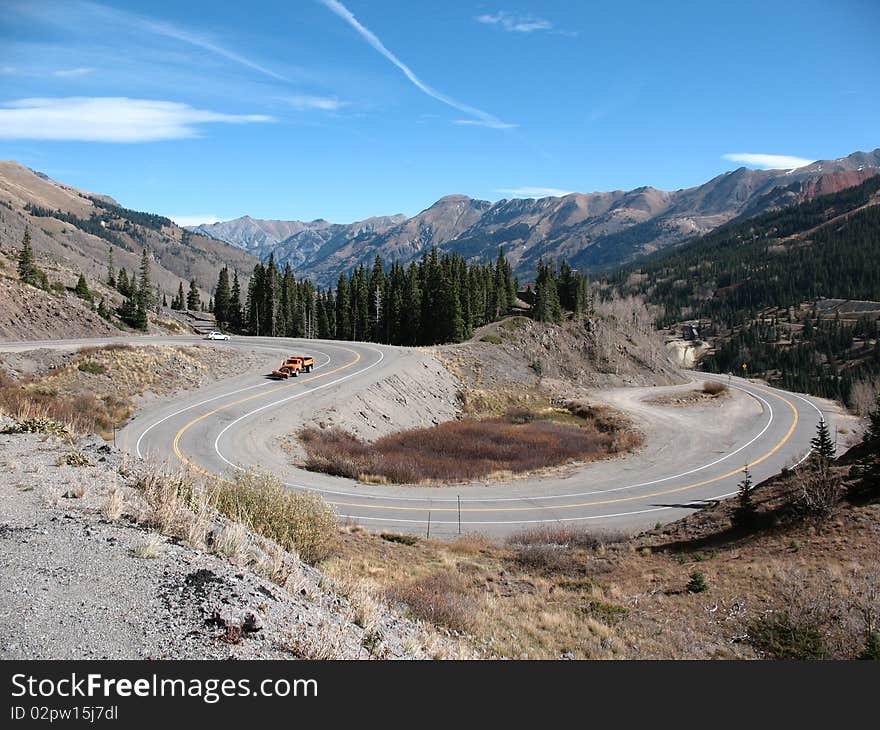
(787, 589)
(91, 391)
(520, 441)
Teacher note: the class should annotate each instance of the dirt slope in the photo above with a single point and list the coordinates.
(28, 313)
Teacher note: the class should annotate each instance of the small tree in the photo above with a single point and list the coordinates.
(111, 268)
(744, 514)
(193, 300)
(27, 270)
(102, 309)
(823, 446)
(697, 583)
(82, 289)
(871, 649)
(868, 468)
(178, 301)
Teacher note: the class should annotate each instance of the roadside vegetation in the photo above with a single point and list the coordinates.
(520, 441)
(795, 579)
(92, 390)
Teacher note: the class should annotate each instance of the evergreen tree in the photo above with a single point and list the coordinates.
(102, 309)
(146, 299)
(823, 446)
(222, 298)
(164, 300)
(122, 285)
(343, 310)
(27, 269)
(547, 307)
(82, 289)
(868, 467)
(745, 511)
(234, 313)
(193, 300)
(179, 300)
(111, 268)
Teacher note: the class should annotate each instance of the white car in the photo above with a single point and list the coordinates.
(214, 335)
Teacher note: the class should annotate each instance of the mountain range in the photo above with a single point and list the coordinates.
(593, 231)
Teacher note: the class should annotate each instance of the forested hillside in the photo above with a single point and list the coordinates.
(440, 298)
(758, 288)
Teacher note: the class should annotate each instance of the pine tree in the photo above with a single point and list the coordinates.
(122, 285)
(146, 299)
(234, 313)
(103, 312)
(164, 300)
(27, 270)
(823, 446)
(111, 268)
(193, 300)
(868, 467)
(82, 289)
(179, 300)
(744, 514)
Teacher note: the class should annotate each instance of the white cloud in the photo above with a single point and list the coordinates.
(343, 12)
(193, 220)
(514, 23)
(108, 119)
(66, 73)
(534, 192)
(324, 103)
(491, 123)
(768, 162)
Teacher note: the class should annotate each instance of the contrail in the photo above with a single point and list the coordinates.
(171, 31)
(343, 12)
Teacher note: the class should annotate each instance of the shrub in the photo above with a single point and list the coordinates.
(300, 522)
(714, 388)
(783, 638)
(821, 490)
(557, 549)
(697, 583)
(92, 368)
(444, 599)
(461, 450)
(76, 458)
(872, 647)
(491, 339)
(402, 539)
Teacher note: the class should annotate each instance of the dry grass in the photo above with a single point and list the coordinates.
(230, 542)
(299, 522)
(83, 413)
(444, 599)
(522, 441)
(795, 588)
(115, 505)
(151, 548)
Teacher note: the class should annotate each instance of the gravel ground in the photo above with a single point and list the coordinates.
(73, 584)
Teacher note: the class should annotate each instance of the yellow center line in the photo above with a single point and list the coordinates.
(180, 455)
(577, 505)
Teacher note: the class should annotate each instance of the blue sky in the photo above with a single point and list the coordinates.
(341, 109)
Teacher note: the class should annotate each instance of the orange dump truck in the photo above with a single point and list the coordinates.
(292, 366)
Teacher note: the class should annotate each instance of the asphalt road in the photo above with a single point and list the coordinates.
(692, 454)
